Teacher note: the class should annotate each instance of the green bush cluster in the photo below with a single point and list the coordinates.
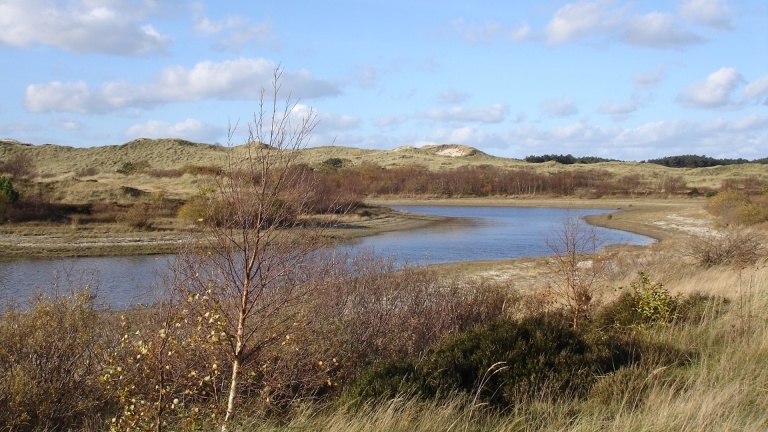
(502, 364)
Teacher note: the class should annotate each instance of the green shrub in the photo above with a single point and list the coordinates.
(7, 192)
(652, 301)
(502, 364)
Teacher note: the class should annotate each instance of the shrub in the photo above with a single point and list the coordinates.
(137, 167)
(502, 364)
(19, 166)
(652, 301)
(50, 362)
(7, 192)
(648, 303)
(734, 207)
(139, 216)
(729, 248)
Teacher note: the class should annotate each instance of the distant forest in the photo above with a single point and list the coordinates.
(683, 161)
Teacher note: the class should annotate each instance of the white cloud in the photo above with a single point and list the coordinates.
(520, 32)
(648, 80)
(560, 107)
(241, 79)
(80, 26)
(67, 124)
(236, 29)
(189, 129)
(389, 121)
(471, 136)
(618, 111)
(583, 18)
(713, 92)
(717, 138)
(757, 88)
(657, 30)
(453, 97)
(206, 26)
(714, 13)
(473, 32)
(492, 114)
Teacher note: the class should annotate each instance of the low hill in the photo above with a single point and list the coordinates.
(172, 166)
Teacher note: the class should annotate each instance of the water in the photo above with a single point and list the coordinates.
(485, 233)
(118, 282)
(478, 233)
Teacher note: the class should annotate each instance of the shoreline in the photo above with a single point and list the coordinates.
(655, 218)
(648, 217)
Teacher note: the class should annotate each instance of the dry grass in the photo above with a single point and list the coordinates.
(723, 386)
(90, 174)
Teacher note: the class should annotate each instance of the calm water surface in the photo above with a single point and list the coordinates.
(485, 233)
(477, 233)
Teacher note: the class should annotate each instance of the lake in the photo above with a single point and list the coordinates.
(475, 233)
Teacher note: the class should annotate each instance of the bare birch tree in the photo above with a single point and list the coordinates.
(246, 273)
(573, 272)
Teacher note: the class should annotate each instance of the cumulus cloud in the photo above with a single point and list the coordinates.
(189, 129)
(80, 26)
(492, 114)
(757, 88)
(560, 107)
(583, 18)
(206, 26)
(234, 32)
(240, 79)
(657, 30)
(713, 13)
(713, 92)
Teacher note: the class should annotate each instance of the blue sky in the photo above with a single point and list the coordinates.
(631, 80)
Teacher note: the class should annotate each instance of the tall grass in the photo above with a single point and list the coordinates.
(720, 383)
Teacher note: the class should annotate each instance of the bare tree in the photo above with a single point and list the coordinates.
(246, 271)
(573, 273)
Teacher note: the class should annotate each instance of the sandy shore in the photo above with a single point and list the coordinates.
(659, 219)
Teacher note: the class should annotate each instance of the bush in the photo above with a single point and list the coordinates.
(7, 192)
(18, 167)
(730, 248)
(651, 303)
(139, 216)
(50, 362)
(502, 364)
(734, 207)
(137, 167)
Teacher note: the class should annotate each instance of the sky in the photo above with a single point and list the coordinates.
(630, 80)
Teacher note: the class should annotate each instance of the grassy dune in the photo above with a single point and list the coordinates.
(78, 175)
